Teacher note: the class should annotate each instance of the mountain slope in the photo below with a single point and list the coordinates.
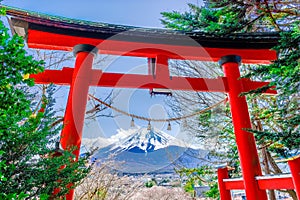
(150, 151)
(143, 141)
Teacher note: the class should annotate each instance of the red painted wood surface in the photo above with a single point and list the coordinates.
(275, 182)
(234, 184)
(115, 46)
(98, 78)
(71, 134)
(294, 164)
(245, 141)
(224, 192)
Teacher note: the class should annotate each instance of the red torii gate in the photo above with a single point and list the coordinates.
(87, 38)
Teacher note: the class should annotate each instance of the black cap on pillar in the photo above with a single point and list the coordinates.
(85, 48)
(230, 58)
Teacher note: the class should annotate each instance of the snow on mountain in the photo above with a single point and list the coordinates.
(148, 151)
(137, 138)
(141, 138)
(144, 140)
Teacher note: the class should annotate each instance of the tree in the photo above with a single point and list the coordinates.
(225, 17)
(29, 165)
(275, 119)
(202, 176)
(160, 193)
(103, 183)
(213, 129)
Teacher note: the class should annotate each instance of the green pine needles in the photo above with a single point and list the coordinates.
(28, 167)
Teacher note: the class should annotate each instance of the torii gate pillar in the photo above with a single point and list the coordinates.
(78, 95)
(241, 121)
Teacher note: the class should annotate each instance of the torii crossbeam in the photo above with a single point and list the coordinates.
(88, 38)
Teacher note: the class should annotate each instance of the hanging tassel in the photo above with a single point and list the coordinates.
(132, 122)
(169, 126)
(149, 126)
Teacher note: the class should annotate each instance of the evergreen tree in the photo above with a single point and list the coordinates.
(227, 17)
(275, 119)
(31, 166)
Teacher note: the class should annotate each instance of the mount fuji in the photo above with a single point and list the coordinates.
(147, 151)
(144, 141)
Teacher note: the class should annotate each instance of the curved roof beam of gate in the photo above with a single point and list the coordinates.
(60, 33)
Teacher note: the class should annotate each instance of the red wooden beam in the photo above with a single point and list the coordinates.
(222, 175)
(59, 77)
(115, 46)
(148, 82)
(294, 164)
(234, 184)
(275, 182)
(71, 134)
(249, 85)
(241, 120)
(64, 77)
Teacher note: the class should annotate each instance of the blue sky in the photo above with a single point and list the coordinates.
(130, 12)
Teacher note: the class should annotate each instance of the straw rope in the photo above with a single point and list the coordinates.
(157, 120)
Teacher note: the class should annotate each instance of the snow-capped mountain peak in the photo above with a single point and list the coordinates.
(138, 140)
(144, 151)
(144, 140)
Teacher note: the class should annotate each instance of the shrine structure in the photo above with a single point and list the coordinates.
(86, 39)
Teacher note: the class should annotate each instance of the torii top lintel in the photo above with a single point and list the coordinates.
(57, 33)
